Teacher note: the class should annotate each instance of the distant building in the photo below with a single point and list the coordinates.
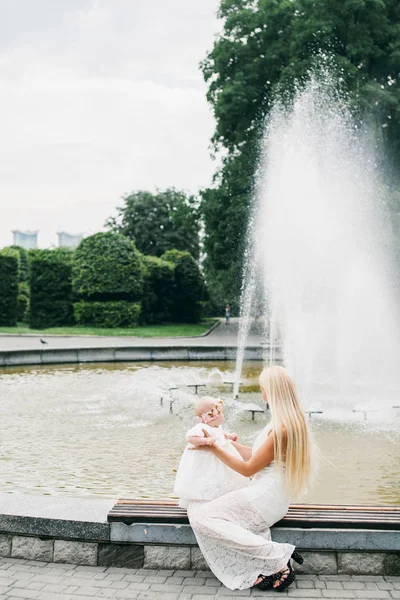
(25, 239)
(68, 240)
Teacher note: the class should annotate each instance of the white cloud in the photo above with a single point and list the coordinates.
(96, 101)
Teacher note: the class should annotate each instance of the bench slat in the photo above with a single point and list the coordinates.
(299, 515)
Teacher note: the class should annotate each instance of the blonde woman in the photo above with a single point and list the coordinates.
(233, 530)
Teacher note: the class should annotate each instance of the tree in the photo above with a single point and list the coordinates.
(159, 286)
(159, 222)
(266, 48)
(189, 289)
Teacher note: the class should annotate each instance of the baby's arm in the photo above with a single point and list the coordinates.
(197, 440)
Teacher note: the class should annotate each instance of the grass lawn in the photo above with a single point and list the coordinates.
(167, 330)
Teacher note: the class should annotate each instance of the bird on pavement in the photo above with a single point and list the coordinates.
(42, 341)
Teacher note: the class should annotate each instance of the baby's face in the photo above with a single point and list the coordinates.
(211, 413)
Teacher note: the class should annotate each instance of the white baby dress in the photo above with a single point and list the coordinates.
(201, 475)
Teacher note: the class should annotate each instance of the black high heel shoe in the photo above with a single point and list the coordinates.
(286, 577)
(266, 583)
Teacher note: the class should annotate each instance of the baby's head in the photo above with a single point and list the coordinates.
(210, 410)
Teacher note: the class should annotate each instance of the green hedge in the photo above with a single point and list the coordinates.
(8, 287)
(189, 288)
(51, 289)
(107, 314)
(107, 266)
(23, 302)
(159, 281)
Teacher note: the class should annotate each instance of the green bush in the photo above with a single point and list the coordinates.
(107, 266)
(189, 288)
(51, 289)
(107, 314)
(8, 287)
(159, 282)
(23, 302)
(23, 267)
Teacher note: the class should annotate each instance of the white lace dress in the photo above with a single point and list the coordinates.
(233, 530)
(201, 476)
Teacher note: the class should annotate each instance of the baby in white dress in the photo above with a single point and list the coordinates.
(201, 476)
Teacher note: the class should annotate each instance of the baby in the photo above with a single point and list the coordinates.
(201, 476)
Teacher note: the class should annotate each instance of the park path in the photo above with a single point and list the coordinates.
(52, 581)
(222, 336)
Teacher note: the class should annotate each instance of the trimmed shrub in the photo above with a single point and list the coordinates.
(23, 302)
(107, 314)
(51, 289)
(23, 267)
(8, 287)
(159, 285)
(189, 289)
(107, 266)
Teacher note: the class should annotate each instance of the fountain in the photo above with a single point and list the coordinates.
(321, 240)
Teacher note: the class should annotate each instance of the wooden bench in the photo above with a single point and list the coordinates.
(299, 515)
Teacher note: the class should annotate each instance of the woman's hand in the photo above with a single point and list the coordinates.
(208, 442)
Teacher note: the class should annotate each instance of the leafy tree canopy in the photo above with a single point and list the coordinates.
(159, 222)
(265, 48)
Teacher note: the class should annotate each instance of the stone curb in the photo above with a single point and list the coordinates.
(326, 552)
(125, 354)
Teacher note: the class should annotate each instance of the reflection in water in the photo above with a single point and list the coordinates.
(99, 430)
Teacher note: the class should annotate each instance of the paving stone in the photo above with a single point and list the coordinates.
(375, 594)
(338, 594)
(295, 593)
(31, 548)
(132, 578)
(26, 593)
(395, 594)
(385, 585)
(119, 585)
(334, 585)
(175, 589)
(77, 553)
(353, 585)
(193, 581)
(305, 585)
(154, 579)
(224, 592)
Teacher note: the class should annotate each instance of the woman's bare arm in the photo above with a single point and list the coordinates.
(258, 461)
(244, 451)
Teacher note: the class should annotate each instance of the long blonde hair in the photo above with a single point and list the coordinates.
(293, 447)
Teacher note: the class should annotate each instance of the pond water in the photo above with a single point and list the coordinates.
(100, 431)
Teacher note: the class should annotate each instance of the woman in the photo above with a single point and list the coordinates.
(233, 530)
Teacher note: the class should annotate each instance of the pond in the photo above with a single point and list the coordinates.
(100, 431)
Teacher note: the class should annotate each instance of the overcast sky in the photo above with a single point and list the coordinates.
(99, 98)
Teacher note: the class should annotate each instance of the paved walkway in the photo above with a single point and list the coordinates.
(50, 581)
(222, 336)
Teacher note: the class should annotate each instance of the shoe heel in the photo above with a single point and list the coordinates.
(297, 558)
